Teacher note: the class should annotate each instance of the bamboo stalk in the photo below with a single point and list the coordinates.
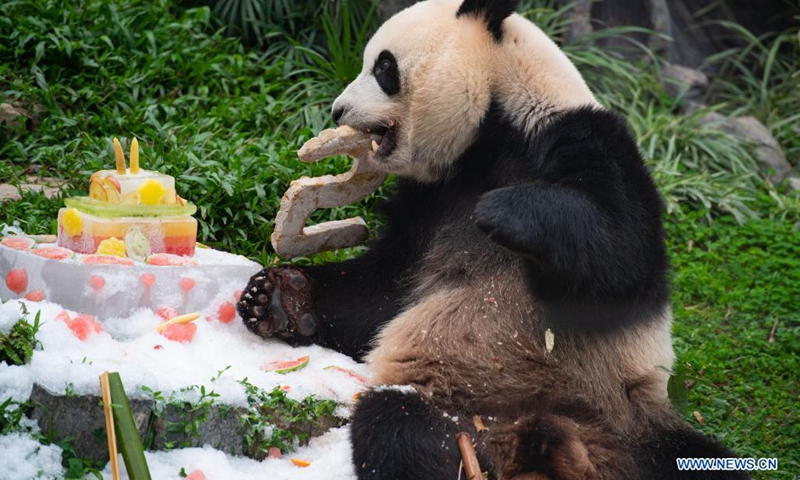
(120, 157)
(130, 444)
(112, 437)
(471, 466)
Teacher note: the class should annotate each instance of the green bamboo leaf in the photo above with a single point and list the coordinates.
(128, 440)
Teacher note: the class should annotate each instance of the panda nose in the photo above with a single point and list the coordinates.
(337, 115)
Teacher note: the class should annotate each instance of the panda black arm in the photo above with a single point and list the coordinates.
(337, 305)
(588, 222)
(354, 298)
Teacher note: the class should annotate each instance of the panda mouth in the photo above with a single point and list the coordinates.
(384, 139)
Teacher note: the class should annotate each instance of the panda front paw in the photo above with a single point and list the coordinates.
(500, 215)
(277, 303)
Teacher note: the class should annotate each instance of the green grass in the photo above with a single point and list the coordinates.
(731, 284)
(226, 118)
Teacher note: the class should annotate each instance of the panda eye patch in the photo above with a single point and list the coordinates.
(386, 73)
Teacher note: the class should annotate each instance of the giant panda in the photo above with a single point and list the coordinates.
(520, 276)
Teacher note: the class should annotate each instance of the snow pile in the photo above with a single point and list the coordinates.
(329, 456)
(143, 357)
(24, 457)
(9, 315)
(219, 357)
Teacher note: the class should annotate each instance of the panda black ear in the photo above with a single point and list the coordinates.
(493, 11)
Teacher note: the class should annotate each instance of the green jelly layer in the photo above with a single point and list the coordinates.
(111, 210)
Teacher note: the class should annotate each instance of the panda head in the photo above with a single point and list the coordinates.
(431, 72)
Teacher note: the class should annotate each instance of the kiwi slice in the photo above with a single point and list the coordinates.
(137, 245)
(105, 209)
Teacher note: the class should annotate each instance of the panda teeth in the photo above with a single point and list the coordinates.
(375, 146)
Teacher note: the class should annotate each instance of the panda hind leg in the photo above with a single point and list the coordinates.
(397, 435)
(551, 447)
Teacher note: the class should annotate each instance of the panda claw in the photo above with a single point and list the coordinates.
(278, 304)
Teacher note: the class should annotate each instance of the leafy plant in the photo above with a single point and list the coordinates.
(257, 20)
(291, 422)
(11, 415)
(760, 79)
(78, 468)
(17, 346)
(190, 415)
(323, 73)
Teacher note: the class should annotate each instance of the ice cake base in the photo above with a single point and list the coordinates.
(117, 290)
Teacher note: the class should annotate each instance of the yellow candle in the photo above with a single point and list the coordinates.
(135, 156)
(120, 157)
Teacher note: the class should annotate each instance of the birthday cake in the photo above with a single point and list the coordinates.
(130, 244)
(129, 212)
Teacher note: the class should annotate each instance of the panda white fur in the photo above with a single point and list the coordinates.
(520, 206)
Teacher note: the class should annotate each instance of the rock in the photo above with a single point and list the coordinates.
(793, 183)
(684, 82)
(767, 150)
(48, 186)
(221, 428)
(772, 161)
(8, 192)
(80, 418)
(12, 116)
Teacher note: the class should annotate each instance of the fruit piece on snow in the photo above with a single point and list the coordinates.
(286, 366)
(179, 332)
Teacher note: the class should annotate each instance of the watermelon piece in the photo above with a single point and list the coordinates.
(348, 372)
(106, 260)
(170, 260)
(274, 452)
(53, 253)
(35, 296)
(287, 366)
(148, 279)
(106, 209)
(97, 282)
(226, 312)
(187, 283)
(17, 280)
(196, 475)
(97, 327)
(18, 243)
(180, 332)
(80, 327)
(167, 313)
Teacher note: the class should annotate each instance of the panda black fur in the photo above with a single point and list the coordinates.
(520, 206)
